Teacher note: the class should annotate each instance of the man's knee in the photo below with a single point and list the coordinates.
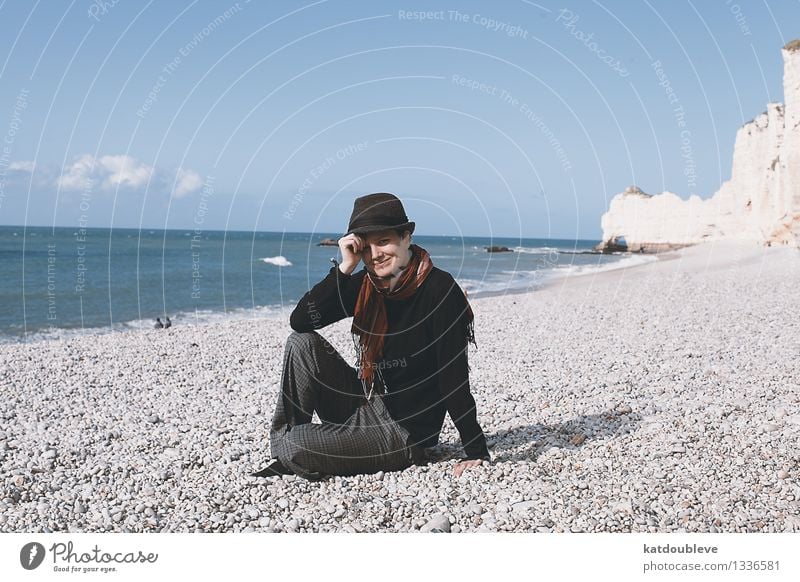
(310, 342)
(304, 339)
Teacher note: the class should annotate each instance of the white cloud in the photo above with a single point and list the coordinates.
(124, 171)
(78, 175)
(24, 166)
(112, 172)
(188, 181)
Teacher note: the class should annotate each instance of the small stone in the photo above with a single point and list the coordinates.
(18, 480)
(49, 454)
(264, 522)
(624, 409)
(769, 427)
(339, 513)
(578, 439)
(475, 508)
(153, 419)
(437, 524)
(523, 506)
(455, 529)
(79, 507)
(622, 507)
(293, 525)
(783, 474)
(659, 475)
(677, 449)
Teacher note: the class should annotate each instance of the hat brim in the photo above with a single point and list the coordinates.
(409, 226)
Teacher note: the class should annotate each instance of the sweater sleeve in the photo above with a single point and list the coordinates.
(449, 333)
(330, 300)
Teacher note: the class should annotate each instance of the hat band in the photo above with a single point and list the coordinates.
(378, 221)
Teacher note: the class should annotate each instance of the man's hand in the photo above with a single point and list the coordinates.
(351, 247)
(464, 465)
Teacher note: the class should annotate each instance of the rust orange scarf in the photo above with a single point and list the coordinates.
(370, 322)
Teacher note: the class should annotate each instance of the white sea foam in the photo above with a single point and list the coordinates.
(629, 261)
(278, 261)
(179, 320)
(515, 280)
(511, 281)
(536, 250)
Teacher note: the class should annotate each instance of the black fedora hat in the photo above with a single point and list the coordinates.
(379, 211)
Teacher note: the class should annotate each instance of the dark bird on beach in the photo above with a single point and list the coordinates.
(168, 323)
(158, 324)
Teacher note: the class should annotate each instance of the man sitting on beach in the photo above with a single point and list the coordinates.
(411, 326)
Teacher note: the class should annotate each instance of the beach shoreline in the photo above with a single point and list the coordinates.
(657, 398)
(281, 311)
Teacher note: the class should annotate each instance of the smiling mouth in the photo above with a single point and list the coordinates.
(381, 263)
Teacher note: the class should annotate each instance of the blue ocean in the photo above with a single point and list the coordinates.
(55, 282)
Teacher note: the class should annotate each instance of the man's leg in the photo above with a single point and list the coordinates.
(315, 378)
(352, 439)
(370, 441)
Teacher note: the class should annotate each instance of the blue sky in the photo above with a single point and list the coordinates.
(509, 118)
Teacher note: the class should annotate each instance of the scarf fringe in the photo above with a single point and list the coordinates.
(471, 333)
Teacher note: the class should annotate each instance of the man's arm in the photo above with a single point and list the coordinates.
(329, 301)
(449, 330)
(334, 297)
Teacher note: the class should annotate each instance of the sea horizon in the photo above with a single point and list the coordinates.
(322, 233)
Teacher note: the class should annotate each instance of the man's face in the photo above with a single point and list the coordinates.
(385, 252)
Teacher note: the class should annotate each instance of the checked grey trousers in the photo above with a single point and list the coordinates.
(356, 435)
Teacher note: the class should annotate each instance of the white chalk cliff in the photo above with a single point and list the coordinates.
(760, 203)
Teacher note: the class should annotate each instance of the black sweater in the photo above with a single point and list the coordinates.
(424, 356)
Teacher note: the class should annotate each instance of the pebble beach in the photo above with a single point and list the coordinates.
(658, 398)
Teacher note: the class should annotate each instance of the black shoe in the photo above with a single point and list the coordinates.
(418, 455)
(274, 469)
